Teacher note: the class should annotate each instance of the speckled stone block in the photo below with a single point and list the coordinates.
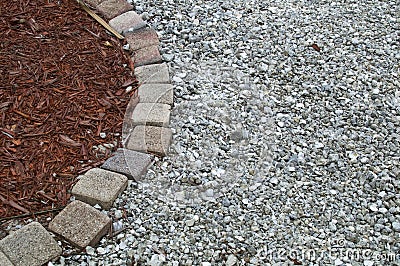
(150, 139)
(31, 245)
(80, 224)
(4, 261)
(146, 56)
(156, 93)
(127, 22)
(155, 73)
(142, 38)
(99, 186)
(133, 164)
(112, 8)
(151, 114)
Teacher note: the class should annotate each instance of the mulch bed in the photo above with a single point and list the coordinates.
(62, 86)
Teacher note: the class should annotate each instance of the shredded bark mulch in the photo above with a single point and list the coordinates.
(62, 91)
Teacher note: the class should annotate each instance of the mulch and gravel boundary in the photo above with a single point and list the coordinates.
(143, 55)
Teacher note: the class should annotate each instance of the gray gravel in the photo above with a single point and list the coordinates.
(281, 153)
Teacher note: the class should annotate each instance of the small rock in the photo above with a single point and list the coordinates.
(373, 207)
(118, 226)
(90, 251)
(128, 89)
(118, 214)
(273, 9)
(145, 16)
(209, 193)
(274, 181)
(382, 194)
(156, 260)
(182, 74)
(168, 57)
(225, 202)
(177, 79)
(319, 145)
(232, 260)
(396, 226)
(368, 263)
(108, 145)
(122, 245)
(126, 47)
(383, 210)
(101, 250)
(190, 222)
(375, 91)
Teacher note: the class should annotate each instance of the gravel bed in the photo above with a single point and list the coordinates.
(286, 139)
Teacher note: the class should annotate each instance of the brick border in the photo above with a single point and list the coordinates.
(145, 133)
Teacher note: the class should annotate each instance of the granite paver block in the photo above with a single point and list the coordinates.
(146, 56)
(112, 8)
(4, 261)
(99, 186)
(156, 93)
(151, 139)
(127, 22)
(31, 245)
(151, 114)
(142, 38)
(80, 224)
(156, 73)
(133, 164)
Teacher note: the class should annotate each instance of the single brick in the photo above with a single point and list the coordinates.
(142, 38)
(127, 22)
(151, 114)
(151, 139)
(156, 73)
(80, 224)
(146, 56)
(98, 186)
(133, 164)
(31, 245)
(156, 93)
(112, 8)
(4, 261)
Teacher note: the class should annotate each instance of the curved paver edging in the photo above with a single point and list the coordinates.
(145, 132)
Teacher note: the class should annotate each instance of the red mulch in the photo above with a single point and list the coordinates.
(62, 83)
